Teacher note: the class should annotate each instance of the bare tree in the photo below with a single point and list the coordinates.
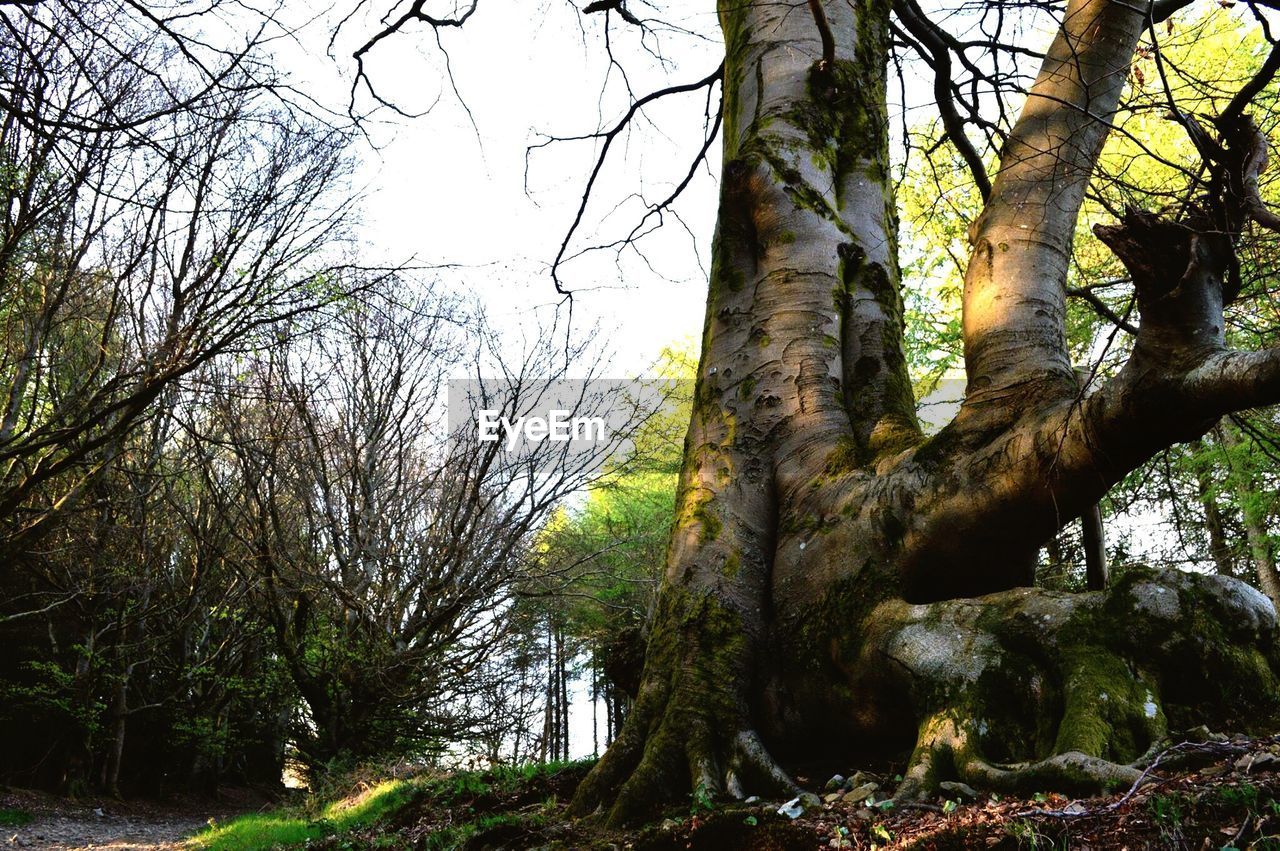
(384, 549)
(138, 245)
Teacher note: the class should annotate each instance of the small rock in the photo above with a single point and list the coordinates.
(1075, 808)
(864, 814)
(959, 790)
(668, 824)
(860, 794)
(836, 781)
(1252, 761)
(808, 799)
(1199, 734)
(856, 779)
(832, 797)
(792, 809)
(754, 799)
(99, 813)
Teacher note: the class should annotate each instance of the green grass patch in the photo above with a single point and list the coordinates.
(14, 818)
(471, 796)
(291, 827)
(452, 838)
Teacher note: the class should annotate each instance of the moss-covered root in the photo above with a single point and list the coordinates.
(948, 748)
(650, 765)
(1030, 689)
(1069, 772)
(690, 728)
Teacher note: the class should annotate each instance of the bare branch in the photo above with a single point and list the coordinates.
(609, 136)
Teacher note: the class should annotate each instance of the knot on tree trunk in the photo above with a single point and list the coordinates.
(1179, 272)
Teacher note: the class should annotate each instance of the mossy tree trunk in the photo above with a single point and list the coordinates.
(820, 585)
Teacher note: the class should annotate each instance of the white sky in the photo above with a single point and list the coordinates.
(445, 191)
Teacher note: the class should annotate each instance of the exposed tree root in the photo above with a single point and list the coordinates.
(1021, 691)
(655, 765)
(1030, 690)
(947, 752)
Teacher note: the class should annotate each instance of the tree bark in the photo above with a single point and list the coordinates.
(1219, 548)
(1095, 549)
(825, 577)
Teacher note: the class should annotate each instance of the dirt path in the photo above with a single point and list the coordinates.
(78, 824)
(107, 831)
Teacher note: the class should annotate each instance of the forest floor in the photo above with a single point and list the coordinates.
(1218, 794)
(36, 820)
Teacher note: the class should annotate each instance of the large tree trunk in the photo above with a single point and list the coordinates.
(821, 575)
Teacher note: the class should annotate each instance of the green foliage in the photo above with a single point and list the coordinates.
(14, 817)
(700, 800)
(937, 200)
(1026, 835)
(1167, 810)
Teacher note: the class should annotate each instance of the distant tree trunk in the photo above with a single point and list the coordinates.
(608, 716)
(130, 643)
(550, 747)
(818, 597)
(618, 702)
(1095, 548)
(120, 719)
(562, 672)
(1219, 548)
(595, 706)
(76, 775)
(1255, 520)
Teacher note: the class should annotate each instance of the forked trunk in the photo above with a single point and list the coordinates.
(821, 578)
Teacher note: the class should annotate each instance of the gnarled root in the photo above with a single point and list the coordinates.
(658, 765)
(1030, 689)
(945, 748)
(690, 726)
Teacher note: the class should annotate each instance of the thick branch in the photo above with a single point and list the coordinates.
(1014, 299)
(613, 6)
(824, 31)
